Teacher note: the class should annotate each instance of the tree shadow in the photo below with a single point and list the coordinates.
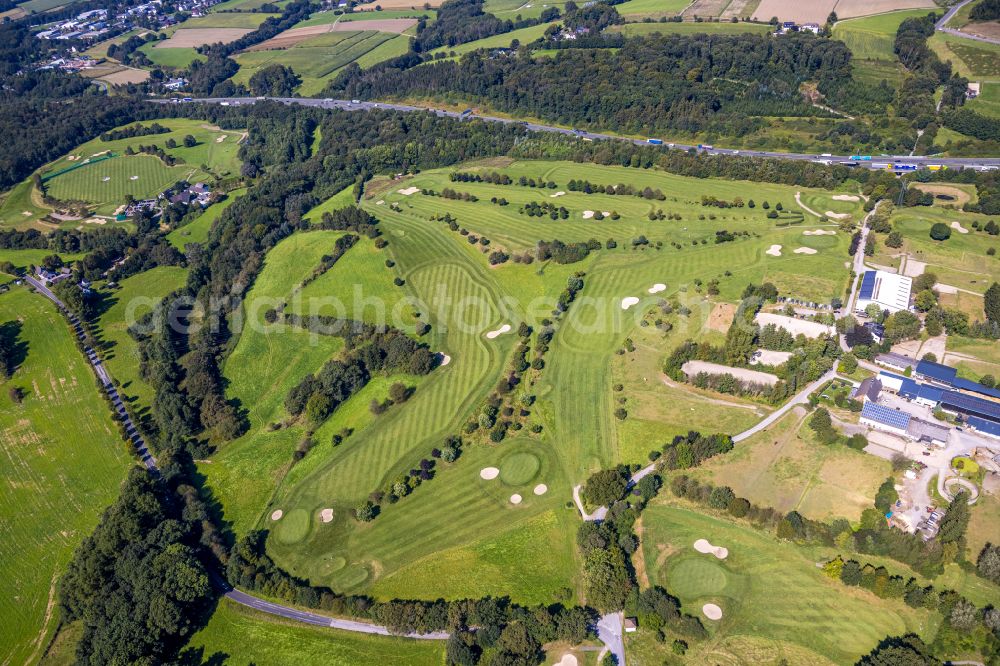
(15, 349)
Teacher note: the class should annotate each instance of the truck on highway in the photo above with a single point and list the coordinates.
(861, 158)
(655, 142)
(705, 146)
(937, 167)
(902, 167)
(465, 114)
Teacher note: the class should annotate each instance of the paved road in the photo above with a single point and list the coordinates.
(799, 398)
(878, 162)
(943, 21)
(610, 631)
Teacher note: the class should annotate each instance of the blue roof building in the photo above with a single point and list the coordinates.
(983, 426)
(929, 395)
(909, 389)
(936, 372)
(969, 385)
(970, 405)
(883, 418)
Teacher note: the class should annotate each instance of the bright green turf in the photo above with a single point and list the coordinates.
(178, 57)
(652, 8)
(228, 20)
(519, 468)
(86, 183)
(16, 203)
(63, 459)
(339, 200)
(988, 101)
(136, 296)
(872, 37)
(243, 636)
(690, 28)
(23, 258)
(197, 231)
(775, 601)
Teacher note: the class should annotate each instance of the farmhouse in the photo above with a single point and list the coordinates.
(48, 277)
(885, 419)
(886, 290)
(868, 390)
(897, 362)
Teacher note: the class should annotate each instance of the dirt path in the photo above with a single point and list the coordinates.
(639, 557)
(704, 398)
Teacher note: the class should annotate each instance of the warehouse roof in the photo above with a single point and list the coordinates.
(971, 404)
(881, 414)
(984, 426)
(936, 371)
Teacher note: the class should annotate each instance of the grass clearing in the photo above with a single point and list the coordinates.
(62, 464)
(238, 635)
(971, 59)
(689, 28)
(988, 101)
(633, 9)
(197, 231)
(177, 57)
(776, 603)
(872, 37)
(523, 35)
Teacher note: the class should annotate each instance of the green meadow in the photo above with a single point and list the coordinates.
(634, 9)
(466, 524)
(689, 28)
(871, 37)
(63, 459)
(197, 231)
(523, 35)
(173, 56)
(776, 604)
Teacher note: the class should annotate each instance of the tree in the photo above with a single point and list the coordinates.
(899, 651)
(902, 325)
(989, 381)
(605, 487)
(190, 141)
(924, 281)
(963, 615)
(940, 231)
(991, 303)
(822, 425)
(925, 300)
(894, 239)
(274, 81)
(848, 363)
(366, 512)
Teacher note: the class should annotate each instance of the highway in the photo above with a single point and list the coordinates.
(876, 161)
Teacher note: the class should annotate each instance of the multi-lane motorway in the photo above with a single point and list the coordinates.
(876, 161)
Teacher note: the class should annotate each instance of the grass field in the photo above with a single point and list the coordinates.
(786, 468)
(22, 208)
(237, 635)
(244, 5)
(197, 231)
(524, 35)
(988, 101)
(178, 57)
(777, 605)
(135, 297)
(872, 37)
(88, 183)
(466, 522)
(62, 462)
(961, 261)
(228, 20)
(318, 59)
(689, 28)
(637, 9)
(971, 59)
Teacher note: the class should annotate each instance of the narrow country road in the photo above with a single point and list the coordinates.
(942, 23)
(287, 612)
(610, 631)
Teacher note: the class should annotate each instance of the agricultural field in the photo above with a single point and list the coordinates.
(238, 635)
(63, 459)
(634, 10)
(776, 604)
(228, 20)
(961, 261)
(468, 521)
(974, 60)
(689, 28)
(872, 37)
(244, 6)
(170, 56)
(318, 58)
(510, 9)
(135, 297)
(106, 182)
(523, 35)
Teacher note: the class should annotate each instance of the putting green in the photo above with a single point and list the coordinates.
(332, 564)
(519, 468)
(697, 577)
(293, 527)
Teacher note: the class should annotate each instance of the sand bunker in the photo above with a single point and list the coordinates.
(845, 197)
(657, 288)
(515, 499)
(703, 546)
(26, 213)
(541, 489)
(804, 250)
(445, 359)
(820, 232)
(553, 196)
(277, 514)
(133, 177)
(836, 216)
(326, 515)
(957, 226)
(587, 214)
(220, 139)
(489, 473)
(628, 302)
(500, 331)
(409, 190)
(774, 251)
(567, 659)
(712, 612)
(105, 179)
(379, 202)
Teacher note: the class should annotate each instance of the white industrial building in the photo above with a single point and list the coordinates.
(888, 291)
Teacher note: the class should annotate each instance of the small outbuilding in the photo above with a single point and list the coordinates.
(631, 625)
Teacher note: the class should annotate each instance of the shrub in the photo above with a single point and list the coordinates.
(940, 231)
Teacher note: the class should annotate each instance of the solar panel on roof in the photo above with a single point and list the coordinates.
(982, 425)
(969, 385)
(881, 414)
(867, 285)
(936, 371)
(971, 404)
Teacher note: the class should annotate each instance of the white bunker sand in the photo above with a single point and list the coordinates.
(515, 499)
(326, 515)
(445, 359)
(845, 197)
(712, 612)
(657, 288)
(500, 331)
(105, 179)
(820, 232)
(541, 489)
(957, 226)
(409, 190)
(703, 546)
(553, 196)
(837, 216)
(567, 659)
(133, 177)
(489, 473)
(587, 214)
(774, 251)
(628, 302)
(804, 250)
(277, 514)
